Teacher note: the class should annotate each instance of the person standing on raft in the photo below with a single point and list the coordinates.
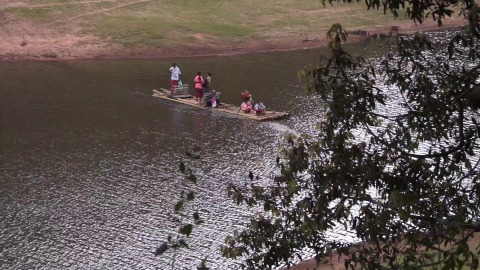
(198, 80)
(246, 96)
(174, 77)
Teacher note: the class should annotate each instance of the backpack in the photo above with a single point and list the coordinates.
(205, 83)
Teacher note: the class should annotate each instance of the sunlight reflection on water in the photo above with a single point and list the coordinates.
(89, 159)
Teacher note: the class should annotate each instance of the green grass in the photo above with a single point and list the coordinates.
(35, 14)
(161, 23)
(130, 31)
(56, 13)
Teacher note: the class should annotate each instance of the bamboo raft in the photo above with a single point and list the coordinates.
(224, 108)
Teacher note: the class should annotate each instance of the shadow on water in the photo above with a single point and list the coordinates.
(89, 159)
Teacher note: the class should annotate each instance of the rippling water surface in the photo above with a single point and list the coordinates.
(89, 160)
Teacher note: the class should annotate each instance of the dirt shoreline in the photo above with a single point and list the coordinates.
(35, 45)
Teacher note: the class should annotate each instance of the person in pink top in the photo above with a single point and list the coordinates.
(198, 80)
(246, 106)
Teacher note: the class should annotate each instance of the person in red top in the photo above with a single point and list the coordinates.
(246, 95)
(198, 80)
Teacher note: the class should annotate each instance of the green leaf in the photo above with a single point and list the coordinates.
(468, 165)
(179, 205)
(192, 178)
(182, 167)
(161, 249)
(183, 243)
(203, 265)
(474, 262)
(191, 196)
(292, 186)
(186, 230)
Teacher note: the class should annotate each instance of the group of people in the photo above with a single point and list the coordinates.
(248, 106)
(203, 85)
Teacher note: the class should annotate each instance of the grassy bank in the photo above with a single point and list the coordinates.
(180, 26)
(181, 23)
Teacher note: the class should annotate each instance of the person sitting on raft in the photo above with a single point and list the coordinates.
(246, 106)
(214, 101)
(260, 107)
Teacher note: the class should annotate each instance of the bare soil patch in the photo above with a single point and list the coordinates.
(336, 262)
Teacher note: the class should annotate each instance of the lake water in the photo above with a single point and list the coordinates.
(89, 159)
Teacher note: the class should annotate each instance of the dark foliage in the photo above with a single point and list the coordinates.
(395, 165)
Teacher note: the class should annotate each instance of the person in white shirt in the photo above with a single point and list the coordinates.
(174, 76)
(209, 80)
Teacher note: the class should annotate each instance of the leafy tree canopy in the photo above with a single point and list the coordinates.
(394, 163)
